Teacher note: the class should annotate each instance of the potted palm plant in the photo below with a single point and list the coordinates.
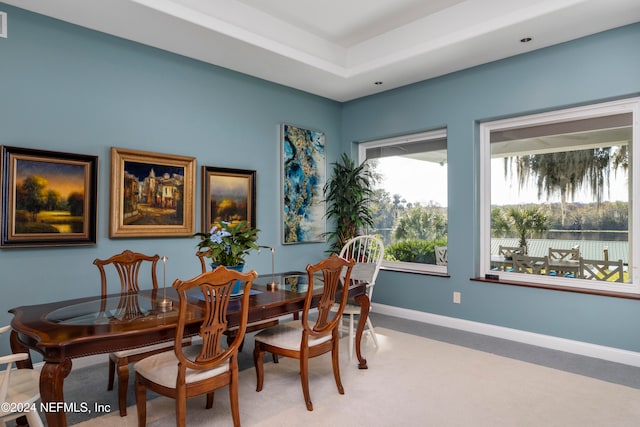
(347, 194)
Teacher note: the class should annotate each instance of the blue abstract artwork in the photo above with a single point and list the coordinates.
(303, 179)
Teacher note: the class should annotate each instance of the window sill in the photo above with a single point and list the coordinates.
(625, 295)
(411, 271)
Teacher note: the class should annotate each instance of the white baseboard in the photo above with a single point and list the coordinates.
(562, 344)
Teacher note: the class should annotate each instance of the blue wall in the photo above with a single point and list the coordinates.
(69, 89)
(593, 69)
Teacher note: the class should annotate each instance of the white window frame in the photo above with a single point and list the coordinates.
(631, 105)
(416, 137)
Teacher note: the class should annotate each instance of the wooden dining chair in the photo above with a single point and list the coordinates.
(307, 338)
(19, 389)
(368, 252)
(202, 368)
(530, 264)
(252, 326)
(565, 255)
(598, 269)
(128, 265)
(505, 257)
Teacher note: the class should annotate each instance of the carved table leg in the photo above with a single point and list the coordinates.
(365, 304)
(51, 390)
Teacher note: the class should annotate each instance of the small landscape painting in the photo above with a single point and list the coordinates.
(228, 195)
(51, 198)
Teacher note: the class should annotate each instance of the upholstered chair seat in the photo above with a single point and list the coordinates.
(163, 368)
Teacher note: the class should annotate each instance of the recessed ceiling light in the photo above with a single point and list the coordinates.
(525, 40)
(378, 83)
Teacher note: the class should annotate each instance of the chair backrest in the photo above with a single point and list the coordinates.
(4, 381)
(597, 269)
(530, 264)
(368, 252)
(509, 251)
(215, 289)
(202, 255)
(442, 255)
(129, 307)
(128, 265)
(335, 271)
(6, 375)
(572, 254)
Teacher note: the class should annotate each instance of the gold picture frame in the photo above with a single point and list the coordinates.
(152, 194)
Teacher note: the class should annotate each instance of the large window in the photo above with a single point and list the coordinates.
(410, 212)
(556, 197)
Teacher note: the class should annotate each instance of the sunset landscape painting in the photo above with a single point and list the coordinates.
(228, 196)
(51, 197)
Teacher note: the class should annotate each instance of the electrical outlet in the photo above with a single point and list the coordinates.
(456, 297)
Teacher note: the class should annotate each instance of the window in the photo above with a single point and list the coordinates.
(410, 216)
(556, 197)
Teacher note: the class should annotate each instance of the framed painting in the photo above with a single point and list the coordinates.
(152, 194)
(303, 179)
(48, 198)
(228, 195)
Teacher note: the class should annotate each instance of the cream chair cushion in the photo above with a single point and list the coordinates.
(288, 335)
(351, 309)
(162, 368)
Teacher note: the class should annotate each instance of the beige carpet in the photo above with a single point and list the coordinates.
(411, 381)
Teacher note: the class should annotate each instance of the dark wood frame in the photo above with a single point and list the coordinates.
(211, 171)
(10, 236)
(117, 227)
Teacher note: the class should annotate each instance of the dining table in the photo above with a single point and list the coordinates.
(64, 330)
(500, 262)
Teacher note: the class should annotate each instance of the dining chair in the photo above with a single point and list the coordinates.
(565, 255)
(19, 389)
(200, 368)
(233, 330)
(564, 262)
(128, 265)
(306, 338)
(442, 255)
(530, 264)
(598, 269)
(504, 260)
(368, 252)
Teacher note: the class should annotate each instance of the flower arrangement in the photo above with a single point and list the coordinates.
(229, 243)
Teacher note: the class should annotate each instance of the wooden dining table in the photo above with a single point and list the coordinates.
(63, 330)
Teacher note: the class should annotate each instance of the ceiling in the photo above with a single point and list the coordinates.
(339, 49)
